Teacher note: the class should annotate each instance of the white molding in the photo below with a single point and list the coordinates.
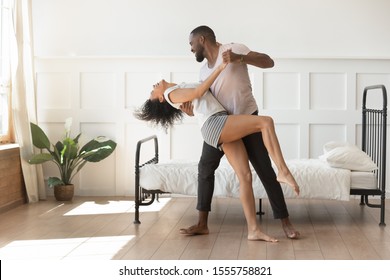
(341, 123)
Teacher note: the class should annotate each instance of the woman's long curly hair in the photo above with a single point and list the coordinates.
(159, 113)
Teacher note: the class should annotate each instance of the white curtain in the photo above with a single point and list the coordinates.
(22, 86)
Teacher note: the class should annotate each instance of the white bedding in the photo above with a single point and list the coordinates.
(315, 177)
(363, 180)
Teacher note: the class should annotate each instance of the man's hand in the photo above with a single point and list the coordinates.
(261, 60)
(230, 57)
(187, 108)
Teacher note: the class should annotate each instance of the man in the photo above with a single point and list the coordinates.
(233, 90)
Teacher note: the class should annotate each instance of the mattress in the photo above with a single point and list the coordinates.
(363, 180)
(315, 177)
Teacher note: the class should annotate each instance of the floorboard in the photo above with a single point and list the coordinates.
(102, 228)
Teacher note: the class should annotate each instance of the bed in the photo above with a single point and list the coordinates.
(343, 170)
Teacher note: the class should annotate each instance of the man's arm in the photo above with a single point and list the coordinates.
(261, 60)
(187, 108)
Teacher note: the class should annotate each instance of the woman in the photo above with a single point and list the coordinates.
(220, 130)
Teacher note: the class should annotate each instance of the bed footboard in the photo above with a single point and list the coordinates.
(144, 197)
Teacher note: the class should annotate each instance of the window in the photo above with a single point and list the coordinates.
(5, 112)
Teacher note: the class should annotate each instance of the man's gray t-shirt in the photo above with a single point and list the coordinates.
(232, 88)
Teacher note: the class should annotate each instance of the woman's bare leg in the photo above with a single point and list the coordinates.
(238, 126)
(238, 159)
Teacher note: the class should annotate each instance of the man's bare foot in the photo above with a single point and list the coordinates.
(288, 179)
(195, 230)
(258, 235)
(289, 230)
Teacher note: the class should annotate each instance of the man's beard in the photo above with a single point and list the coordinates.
(199, 57)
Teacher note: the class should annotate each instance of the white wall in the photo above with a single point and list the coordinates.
(97, 59)
(283, 28)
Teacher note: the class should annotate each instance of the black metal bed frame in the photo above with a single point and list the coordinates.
(144, 197)
(374, 128)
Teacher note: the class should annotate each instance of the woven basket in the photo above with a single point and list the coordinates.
(64, 192)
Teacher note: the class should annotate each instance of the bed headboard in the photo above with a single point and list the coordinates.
(374, 128)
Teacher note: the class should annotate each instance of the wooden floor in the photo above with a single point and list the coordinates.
(102, 228)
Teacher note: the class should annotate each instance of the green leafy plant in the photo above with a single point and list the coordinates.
(67, 154)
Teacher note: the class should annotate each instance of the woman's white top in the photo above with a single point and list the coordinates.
(204, 107)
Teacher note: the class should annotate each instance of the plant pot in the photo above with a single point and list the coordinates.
(64, 192)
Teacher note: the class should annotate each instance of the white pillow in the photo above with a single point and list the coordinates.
(349, 157)
(335, 144)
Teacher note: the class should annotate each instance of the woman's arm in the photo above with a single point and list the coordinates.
(181, 95)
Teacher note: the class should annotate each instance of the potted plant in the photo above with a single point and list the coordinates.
(68, 157)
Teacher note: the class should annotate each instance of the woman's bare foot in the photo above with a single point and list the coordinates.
(195, 230)
(288, 178)
(258, 235)
(289, 230)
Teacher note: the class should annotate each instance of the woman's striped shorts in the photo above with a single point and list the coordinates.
(212, 128)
